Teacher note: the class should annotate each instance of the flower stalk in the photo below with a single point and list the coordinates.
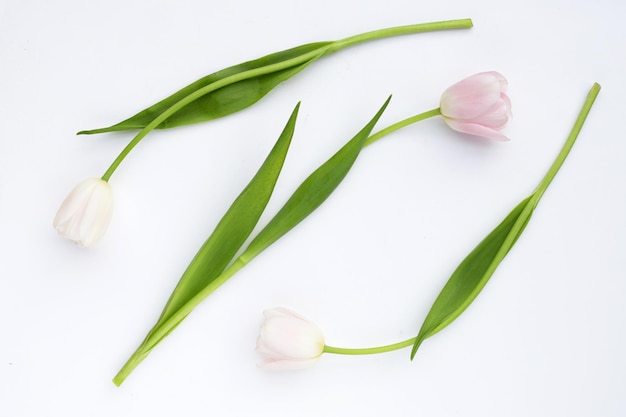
(235, 88)
(283, 65)
(468, 280)
(370, 350)
(399, 125)
(473, 273)
(213, 265)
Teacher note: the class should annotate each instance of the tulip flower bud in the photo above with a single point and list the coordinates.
(85, 214)
(478, 105)
(288, 340)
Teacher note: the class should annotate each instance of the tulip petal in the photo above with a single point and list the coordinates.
(476, 130)
(74, 202)
(473, 96)
(96, 216)
(292, 338)
(86, 212)
(478, 105)
(288, 341)
(498, 116)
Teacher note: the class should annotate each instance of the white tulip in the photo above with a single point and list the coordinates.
(86, 212)
(288, 340)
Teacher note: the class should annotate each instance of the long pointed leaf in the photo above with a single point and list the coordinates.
(225, 100)
(310, 195)
(220, 248)
(470, 276)
(474, 272)
(313, 191)
(235, 227)
(239, 86)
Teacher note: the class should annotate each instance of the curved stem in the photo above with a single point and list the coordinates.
(204, 91)
(399, 125)
(333, 47)
(162, 329)
(580, 120)
(401, 30)
(369, 351)
(593, 93)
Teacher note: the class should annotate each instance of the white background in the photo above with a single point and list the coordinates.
(546, 337)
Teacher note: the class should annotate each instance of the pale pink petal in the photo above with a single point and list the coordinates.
(478, 105)
(503, 81)
(476, 130)
(294, 339)
(498, 116)
(471, 97)
(288, 341)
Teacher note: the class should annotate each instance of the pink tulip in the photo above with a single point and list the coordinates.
(288, 340)
(85, 214)
(478, 105)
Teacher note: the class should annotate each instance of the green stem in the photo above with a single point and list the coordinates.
(202, 92)
(369, 351)
(400, 30)
(522, 221)
(399, 125)
(333, 47)
(162, 329)
(580, 120)
(518, 226)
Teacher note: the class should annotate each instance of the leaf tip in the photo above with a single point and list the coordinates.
(93, 131)
(418, 342)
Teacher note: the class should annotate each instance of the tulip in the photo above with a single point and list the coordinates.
(85, 214)
(288, 340)
(478, 105)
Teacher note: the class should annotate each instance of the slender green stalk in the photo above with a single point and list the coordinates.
(473, 273)
(369, 351)
(399, 125)
(400, 30)
(221, 246)
(289, 63)
(163, 328)
(523, 219)
(154, 337)
(580, 121)
(201, 92)
(520, 217)
(518, 226)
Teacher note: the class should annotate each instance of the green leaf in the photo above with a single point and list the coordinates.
(235, 227)
(476, 269)
(472, 274)
(237, 87)
(220, 248)
(313, 191)
(228, 99)
(208, 270)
